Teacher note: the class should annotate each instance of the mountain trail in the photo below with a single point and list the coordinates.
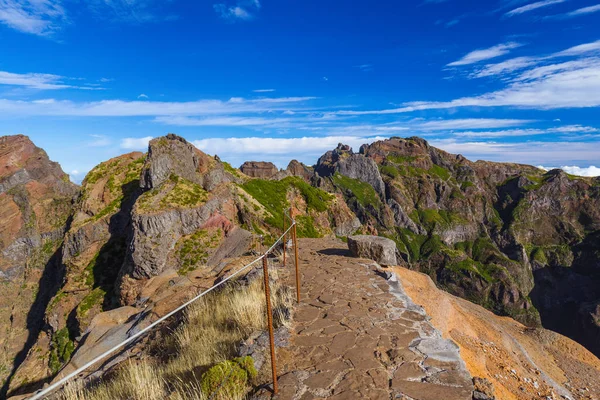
(358, 335)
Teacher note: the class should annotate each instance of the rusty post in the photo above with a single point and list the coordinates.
(284, 255)
(270, 322)
(295, 239)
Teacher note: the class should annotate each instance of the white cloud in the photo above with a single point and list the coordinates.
(136, 143)
(569, 129)
(583, 11)
(142, 96)
(315, 146)
(572, 84)
(485, 54)
(506, 68)
(263, 90)
(224, 121)
(309, 148)
(574, 170)
(34, 81)
(74, 172)
(530, 152)
(533, 6)
(41, 81)
(579, 50)
(241, 10)
(471, 123)
(120, 108)
(37, 17)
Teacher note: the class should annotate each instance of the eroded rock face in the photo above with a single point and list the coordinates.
(36, 198)
(379, 249)
(173, 155)
(259, 169)
(356, 166)
(188, 189)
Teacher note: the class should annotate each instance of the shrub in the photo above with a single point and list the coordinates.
(61, 349)
(228, 380)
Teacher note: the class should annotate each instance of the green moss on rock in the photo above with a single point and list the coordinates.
(364, 193)
(61, 348)
(96, 297)
(192, 251)
(177, 192)
(431, 218)
(272, 195)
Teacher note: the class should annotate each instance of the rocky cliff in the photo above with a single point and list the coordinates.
(512, 238)
(35, 204)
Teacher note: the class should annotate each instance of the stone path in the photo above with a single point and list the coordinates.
(358, 336)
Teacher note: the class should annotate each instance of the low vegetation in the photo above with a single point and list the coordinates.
(197, 360)
(362, 191)
(177, 192)
(61, 349)
(192, 251)
(272, 195)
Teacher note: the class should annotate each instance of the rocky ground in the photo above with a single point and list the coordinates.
(357, 335)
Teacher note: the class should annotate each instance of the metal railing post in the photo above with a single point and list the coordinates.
(270, 323)
(295, 239)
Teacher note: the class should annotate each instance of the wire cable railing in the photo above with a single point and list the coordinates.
(292, 228)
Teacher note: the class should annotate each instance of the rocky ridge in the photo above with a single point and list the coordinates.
(35, 205)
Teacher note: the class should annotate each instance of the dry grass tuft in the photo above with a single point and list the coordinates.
(210, 333)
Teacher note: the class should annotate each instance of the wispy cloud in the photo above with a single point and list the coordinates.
(131, 11)
(241, 10)
(225, 121)
(519, 63)
(579, 50)
(121, 108)
(525, 132)
(530, 152)
(470, 123)
(37, 17)
(578, 12)
(573, 84)
(40, 81)
(142, 96)
(365, 67)
(485, 54)
(263, 90)
(542, 82)
(267, 146)
(533, 6)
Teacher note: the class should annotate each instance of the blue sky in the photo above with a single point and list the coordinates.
(503, 80)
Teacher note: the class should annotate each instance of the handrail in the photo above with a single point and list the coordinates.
(73, 374)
